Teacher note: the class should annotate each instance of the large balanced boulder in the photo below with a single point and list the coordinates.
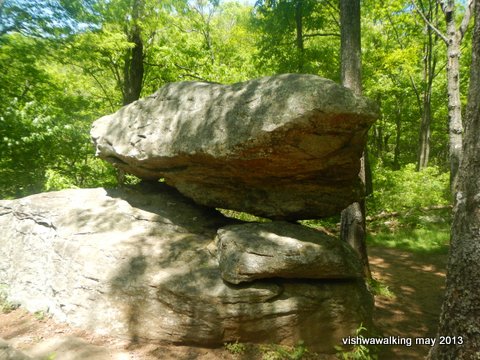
(142, 263)
(280, 249)
(283, 147)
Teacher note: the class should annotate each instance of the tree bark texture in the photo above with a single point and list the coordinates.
(455, 127)
(353, 217)
(350, 48)
(424, 134)
(133, 70)
(460, 317)
(353, 227)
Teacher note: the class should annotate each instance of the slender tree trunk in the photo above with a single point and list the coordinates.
(424, 133)
(299, 29)
(429, 61)
(353, 217)
(398, 130)
(460, 318)
(377, 133)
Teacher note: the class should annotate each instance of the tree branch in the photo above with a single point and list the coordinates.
(333, 10)
(433, 27)
(466, 19)
(189, 73)
(321, 34)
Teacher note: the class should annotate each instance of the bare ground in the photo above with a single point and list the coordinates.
(417, 281)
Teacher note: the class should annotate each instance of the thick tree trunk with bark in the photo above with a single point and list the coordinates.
(353, 218)
(133, 78)
(460, 318)
(351, 53)
(133, 69)
(455, 127)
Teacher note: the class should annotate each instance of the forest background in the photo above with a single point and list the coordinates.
(66, 63)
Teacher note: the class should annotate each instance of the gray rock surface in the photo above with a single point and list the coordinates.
(139, 263)
(72, 348)
(8, 352)
(280, 249)
(60, 348)
(283, 147)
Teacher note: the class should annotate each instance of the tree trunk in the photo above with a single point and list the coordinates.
(398, 134)
(299, 29)
(453, 40)
(424, 133)
(455, 127)
(460, 318)
(351, 56)
(353, 217)
(133, 70)
(423, 155)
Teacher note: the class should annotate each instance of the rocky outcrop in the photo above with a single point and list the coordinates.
(283, 147)
(142, 262)
(280, 249)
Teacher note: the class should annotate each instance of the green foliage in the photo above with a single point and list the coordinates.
(379, 289)
(426, 238)
(269, 351)
(235, 348)
(285, 49)
(6, 306)
(278, 352)
(403, 209)
(328, 223)
(358, 352)
(45, 116)
(40, 315)
(51, 356)
(405, 189)
(393, 50)
(243, 216)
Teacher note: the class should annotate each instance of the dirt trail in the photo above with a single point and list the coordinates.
(416, 280)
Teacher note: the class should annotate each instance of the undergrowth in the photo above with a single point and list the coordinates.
(6, 306)
(358, 351)
(269, 351)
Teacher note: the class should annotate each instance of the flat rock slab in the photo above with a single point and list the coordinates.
(8, 352)
(72, 348)
(282, 147)
(138, 263)
(280, 249)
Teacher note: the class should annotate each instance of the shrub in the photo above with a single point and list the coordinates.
(398, 190)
